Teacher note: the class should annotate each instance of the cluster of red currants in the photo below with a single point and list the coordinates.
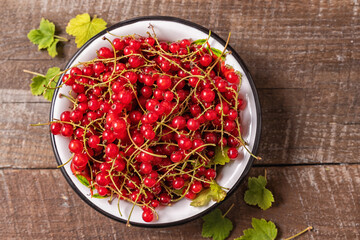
(147, 117)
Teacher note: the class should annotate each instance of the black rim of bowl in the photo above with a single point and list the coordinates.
(257, 104)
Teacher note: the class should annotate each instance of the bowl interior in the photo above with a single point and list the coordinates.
(171, 30)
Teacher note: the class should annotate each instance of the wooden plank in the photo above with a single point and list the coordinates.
(21, 145)
(296, 129)
(279, 41)
(39, 204)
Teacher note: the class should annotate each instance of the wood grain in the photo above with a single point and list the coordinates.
(304, 57)
(39, 204)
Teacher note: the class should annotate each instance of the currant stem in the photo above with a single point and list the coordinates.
(66, 161)
(265, 174)
(300, 233)
(34, 73)
(61, 38)
(232, 205)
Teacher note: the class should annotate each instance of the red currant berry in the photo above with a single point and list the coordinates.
(207, 95)
(164, 82)
(232, 77)
(93, 141)
(210, 174)
(148, 216)
(67, 130)
(205, 60)
(176, 156)
(232, 153)
(149, 182)
(197, 143)
(102, 179)
(118, 44)
(196, 187)
(193, 124)
(178, 183)
(111, 150)
(75, 146)
(80, 160)
(103, 191)
(165, 198)
(55, 128)
(105, 52)
(178, 122)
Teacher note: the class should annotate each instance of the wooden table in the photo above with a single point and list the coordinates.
(305, 60)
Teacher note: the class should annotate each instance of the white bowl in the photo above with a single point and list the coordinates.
(231, 175)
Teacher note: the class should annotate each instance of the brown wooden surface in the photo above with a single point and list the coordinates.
(304, 57)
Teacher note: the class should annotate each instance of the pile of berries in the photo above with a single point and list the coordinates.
(147, 119)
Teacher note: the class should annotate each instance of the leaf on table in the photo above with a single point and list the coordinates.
(44, 35)
(45, 85)
(49, 92)
(83, 28)
(37, 85)
(52, 49)
(214, 192)
(261, 230)
(216, 226)
(257, 194)
(221, 157)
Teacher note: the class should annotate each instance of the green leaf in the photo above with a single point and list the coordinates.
(52, 49)
(217, 52)
(44, 35)
(216, 226)
(221, 157)
(83, 28)
(257, 194)
(45, 84)
(215, 193)
(37, 85)
(50, 76)
(199, 41)
(96, 195)
(178, 192)
(83, 180)
(202, 199)
(261, 230)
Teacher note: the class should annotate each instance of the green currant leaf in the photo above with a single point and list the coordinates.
(202, 199)
(214, 192)
(221, 157)
(44, 35)
(199, 41)
(83, 180)
(83, 28)
(49, 92)
(218, 194)
(216, 226)
(45, 85)
(53, 76)
(37, 85)
(217, 52)
(96, 195)
(178, 192)
(257, 194)
(52, 49)
(261, 230)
